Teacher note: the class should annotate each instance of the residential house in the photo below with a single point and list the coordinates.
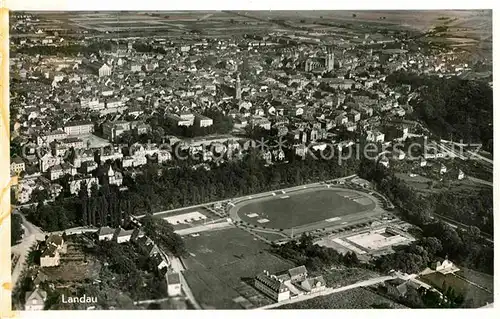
(75, 185)
(160, 261)
(297, 274)
(35, 300)
(105, 233)
(47, 161)
(313, 285)
(163, 156)
(58, 171)
(17, 164)
(114, 178)
(375, 136)
(122, 236)
(50, 257)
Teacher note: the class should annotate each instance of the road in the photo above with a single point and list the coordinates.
(476, 155)
(329, 291)
(453, 223)
(32, 233)
(480, 181)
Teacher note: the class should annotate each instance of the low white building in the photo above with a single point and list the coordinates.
(174, 286)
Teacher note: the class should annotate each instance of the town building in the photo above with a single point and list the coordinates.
(203, 121)
(79, 128)
(272, 287)
(174, 286)
(325, 63)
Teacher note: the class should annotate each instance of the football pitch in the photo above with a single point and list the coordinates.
(285, 211)
(219, 262)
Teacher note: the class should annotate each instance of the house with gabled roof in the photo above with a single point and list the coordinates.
(35, 300)
(122, 236)
(313, 285)
(105, 233)
(297, 274)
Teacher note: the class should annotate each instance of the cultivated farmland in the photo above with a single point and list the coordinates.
(358, 298)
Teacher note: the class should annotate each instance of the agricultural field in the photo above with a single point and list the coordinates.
(222, 263)
(358, 298)
(307, 206)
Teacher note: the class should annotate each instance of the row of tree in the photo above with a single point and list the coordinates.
(161, 188)
(70, 49)
(314, 257)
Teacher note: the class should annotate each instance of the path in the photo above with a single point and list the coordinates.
(329, 291)
(32, 233)
(480, 181)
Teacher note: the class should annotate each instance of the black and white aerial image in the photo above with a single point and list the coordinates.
(251, 159)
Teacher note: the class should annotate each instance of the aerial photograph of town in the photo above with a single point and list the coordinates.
(176, 160)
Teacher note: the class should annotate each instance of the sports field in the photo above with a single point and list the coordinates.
(299, 208)
(220, 262)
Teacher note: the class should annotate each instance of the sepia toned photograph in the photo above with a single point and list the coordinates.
(277, 159)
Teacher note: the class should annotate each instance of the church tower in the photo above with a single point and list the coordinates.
(330, 59)
(238, 87)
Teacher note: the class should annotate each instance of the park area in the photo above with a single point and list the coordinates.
(299, 208)
(222, 264)
(357, 298)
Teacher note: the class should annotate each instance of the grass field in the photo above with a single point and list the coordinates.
(297, 209)
(470, 292)
(479, 278)
(358, 298)
(221, 261)
(344, 276)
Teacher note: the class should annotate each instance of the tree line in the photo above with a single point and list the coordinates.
(464, 246)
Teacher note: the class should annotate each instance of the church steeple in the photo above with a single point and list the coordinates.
(238, 87)
(330, 59)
